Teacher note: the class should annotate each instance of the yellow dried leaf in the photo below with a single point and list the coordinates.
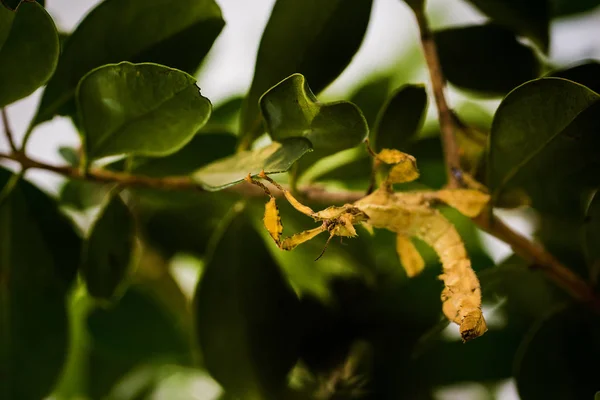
(272, 220)
(468, 201)
(410, 258)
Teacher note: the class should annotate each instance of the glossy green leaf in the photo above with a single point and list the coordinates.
(108, 250)
(39, 255)
(176, 34)
(557, 357)
(592, 237)
(587, 74)
(401, 118)
(29, 51)
(140, 109)
(274, 158)
(225, 117)
(528, 18)
(545, 128)
(486, 59)
(315, 38)
(290, 109)
(246, 314)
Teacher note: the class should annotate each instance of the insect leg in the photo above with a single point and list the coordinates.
(291, 199)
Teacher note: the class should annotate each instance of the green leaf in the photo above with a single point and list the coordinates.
(529, 18)
(141, 109)
(108, 250)
(177, 34)
(592, 237)
(290, 109)
(315, 38)
(545, 125)
(401, 118)
(14, 4)
(246, 314)
(274, 158)
(587, 74)
(485, 58)
(29, 51)
(39, 255)
(557, 357)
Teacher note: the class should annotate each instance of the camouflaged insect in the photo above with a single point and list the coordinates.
(408, 214)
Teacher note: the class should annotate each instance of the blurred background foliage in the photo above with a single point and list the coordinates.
(195, 302)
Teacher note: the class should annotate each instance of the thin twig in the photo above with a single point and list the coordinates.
(8, 132)
(487, 221)
(310, 192)
(447, 127)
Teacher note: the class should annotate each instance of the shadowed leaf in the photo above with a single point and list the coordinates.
(246, 314)
(529, 18)
(486, 59)
(546, 125)
(29, 51)
(39, 255)
(109, 249)
(587, 74)
(400, 118)
(554, 359)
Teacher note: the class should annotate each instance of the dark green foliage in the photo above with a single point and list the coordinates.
(486, 59)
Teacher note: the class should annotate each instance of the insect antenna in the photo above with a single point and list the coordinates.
(324, 248)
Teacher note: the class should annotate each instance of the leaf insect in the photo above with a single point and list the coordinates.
(408, 214)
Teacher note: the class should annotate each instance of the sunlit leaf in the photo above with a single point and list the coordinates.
(400, 118)
(529, 18)
(546, 125)
(555, 357)
(28, 51)
(486, 59)
(290, 109)
(315, 38)
(274, 158)
(108, 250)
(177, 34)
(248, 337)
(141, 109)
(39, 255)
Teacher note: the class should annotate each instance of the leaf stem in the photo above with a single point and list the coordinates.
(438, 82)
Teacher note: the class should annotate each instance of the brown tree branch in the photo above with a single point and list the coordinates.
(8, 132)
(487, 221)
(438, 83)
